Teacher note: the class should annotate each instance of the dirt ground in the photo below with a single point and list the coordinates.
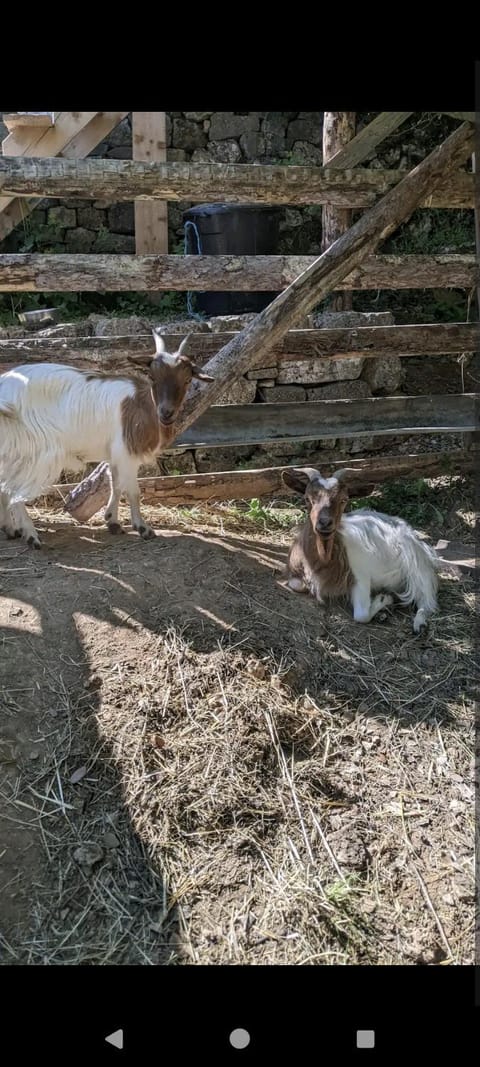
(197, 766)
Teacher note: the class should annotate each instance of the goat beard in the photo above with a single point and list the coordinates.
(325, 547)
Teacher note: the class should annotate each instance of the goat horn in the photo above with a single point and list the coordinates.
(184, 344)
(159, 342)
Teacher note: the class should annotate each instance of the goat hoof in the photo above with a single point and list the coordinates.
(115, 528)
(146, 532)
(34, 542)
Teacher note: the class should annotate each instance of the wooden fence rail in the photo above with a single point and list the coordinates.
(251, 424)
(126, 180)
(190, 489)
(366, 341)
(123, 273)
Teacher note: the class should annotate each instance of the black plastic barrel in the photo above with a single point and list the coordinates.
(232, 229)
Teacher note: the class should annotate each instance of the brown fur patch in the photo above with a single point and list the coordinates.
(140, 426)
(331, 578)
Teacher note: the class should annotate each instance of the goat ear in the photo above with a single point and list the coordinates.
(159, 342)
(297, 478)
(198, 373)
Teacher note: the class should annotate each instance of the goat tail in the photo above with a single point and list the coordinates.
(421, 566)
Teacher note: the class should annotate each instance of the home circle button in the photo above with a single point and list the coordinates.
(239, 1038)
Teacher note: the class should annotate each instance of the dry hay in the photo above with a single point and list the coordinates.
(223, 773)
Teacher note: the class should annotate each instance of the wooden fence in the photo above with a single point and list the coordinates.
(302, 282)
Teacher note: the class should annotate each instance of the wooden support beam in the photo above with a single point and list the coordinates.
(356, 150)
(32, 119)
(232, 425)
(366, 341)
(126, 179)
(149, 142)
(255, 342)
(82, 141)
(338, 130)
(464, 116)
(190, 490)
(37, 272)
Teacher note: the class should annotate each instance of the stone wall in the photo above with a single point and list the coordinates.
(205, 136)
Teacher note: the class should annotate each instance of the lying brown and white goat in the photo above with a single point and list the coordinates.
(55, 418)
(358, 554)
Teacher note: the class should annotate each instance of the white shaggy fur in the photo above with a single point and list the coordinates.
(365, 554)
(54, 418)
(385, 553)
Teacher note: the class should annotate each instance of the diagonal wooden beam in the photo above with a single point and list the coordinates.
(84, 138)
(364, 142)
(254, 343)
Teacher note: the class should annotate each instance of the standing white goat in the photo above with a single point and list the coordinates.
(357, 554)
(55, 418)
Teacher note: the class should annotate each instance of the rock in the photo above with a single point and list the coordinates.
(68, 329)
(274, 129)
(173, 463)
(188, 135)
(119, 327)
(284, 394)
(110, 840)
(121, 218)
(114, 242)
(176, 155)
(230, 323)
(262, 372)
(200, 155)
(306, 154)
(224, 125)
(89, 854)
(90, 217)
(121, 135)
(240, 392)
(308, 127)
(79, 239)
(124, 152)
(383, 375)
(221, 459)
(198, 116)
(333, 320)
(308, 371)
(349, 390)
(63, 217)
(183, 326)
(252, 145)
(224, 152)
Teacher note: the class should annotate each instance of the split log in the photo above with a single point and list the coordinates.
(35, 272)
(340, 343)
(189, 490)
(254, 343)
(126, 179)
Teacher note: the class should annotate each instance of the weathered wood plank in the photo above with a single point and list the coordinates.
(368, 341)
(258, 339)
(464, 116)
(122, 273)
(149, 144)
(252, 424)
(125, 179)
(32, 119)
(338, 130)
(356, 150)
(80, 144)
(193, 489)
